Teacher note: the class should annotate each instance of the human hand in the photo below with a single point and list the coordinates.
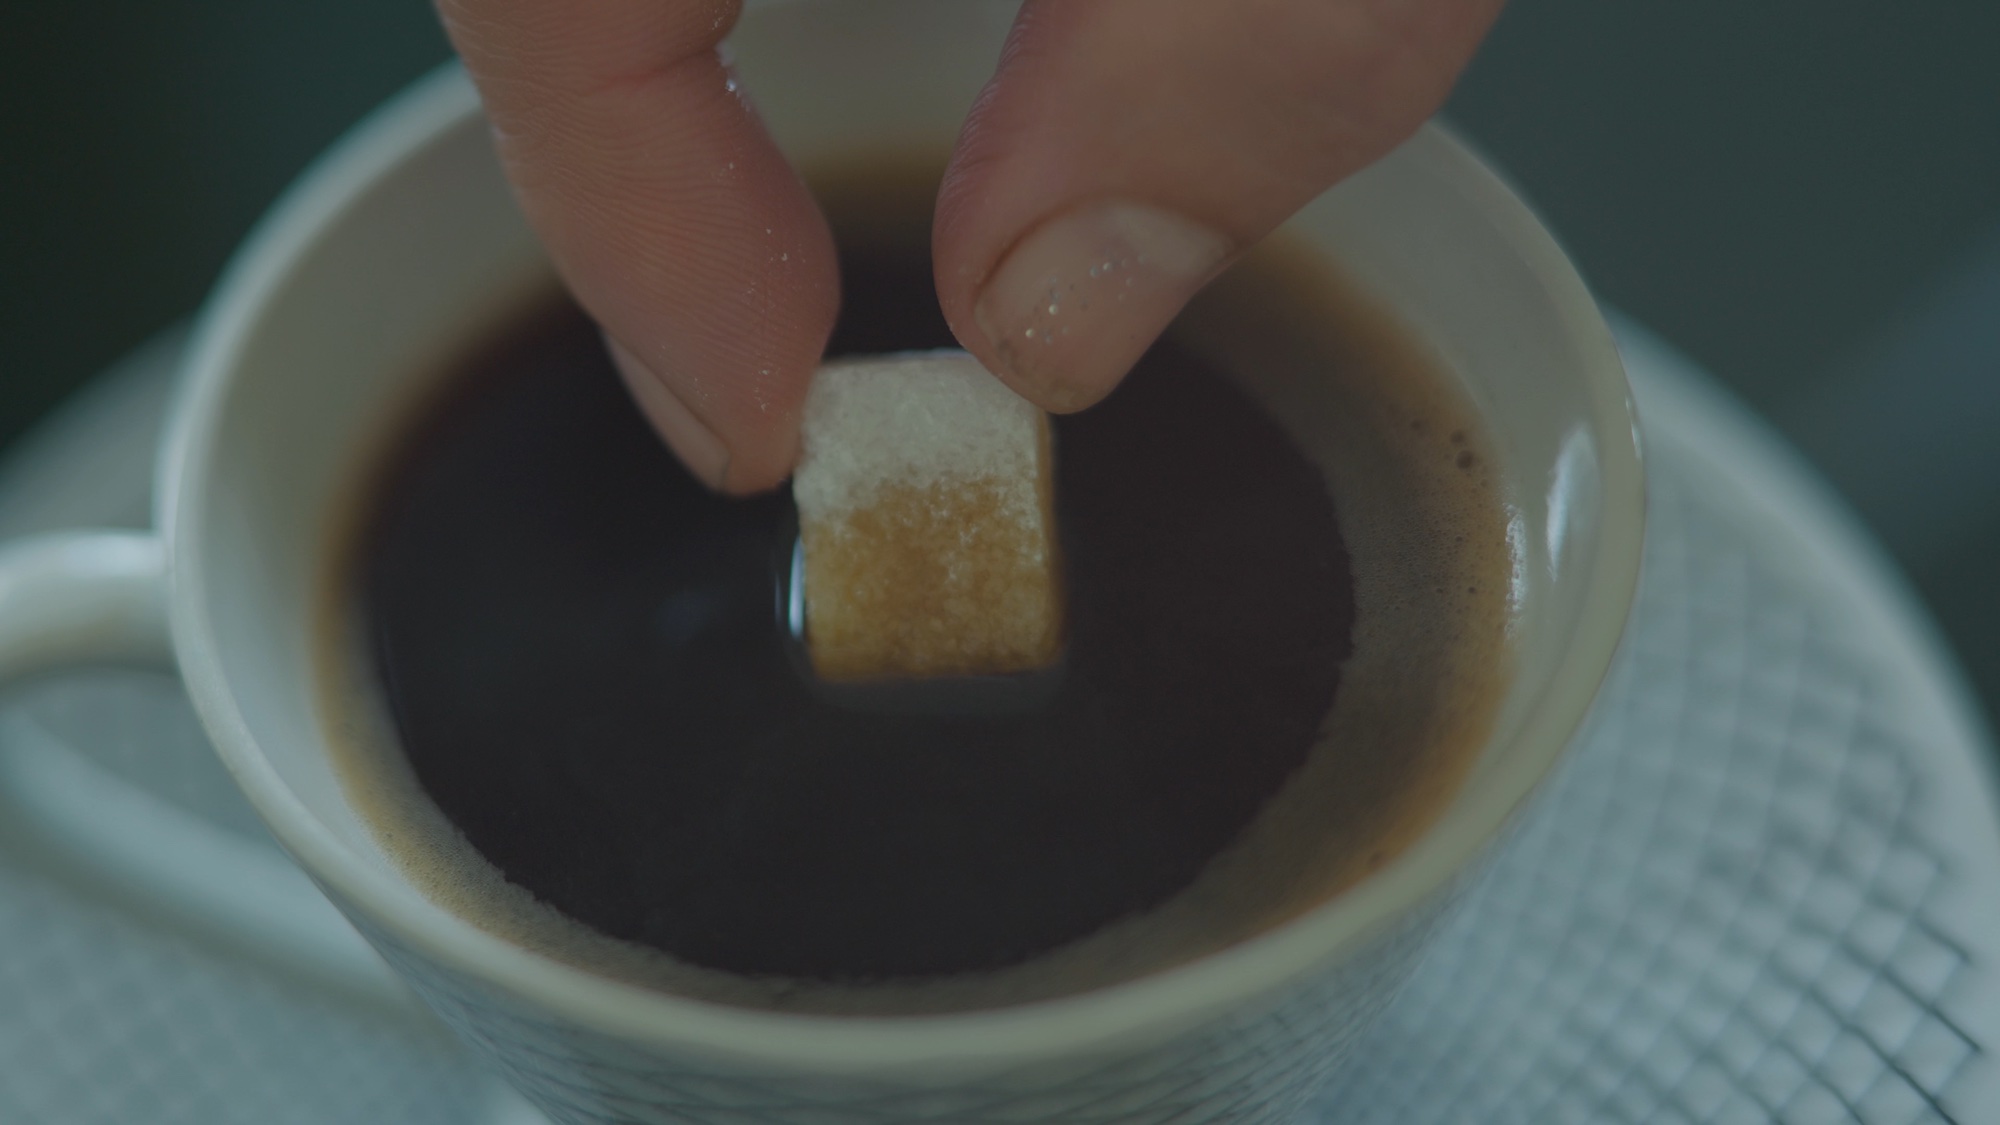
(1123, 154)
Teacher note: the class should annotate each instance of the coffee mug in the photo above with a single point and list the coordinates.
(404, 240)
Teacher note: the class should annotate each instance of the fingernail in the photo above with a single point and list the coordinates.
(692, 441)
(1076, 302)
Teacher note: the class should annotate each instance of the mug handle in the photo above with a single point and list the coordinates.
(99, 597)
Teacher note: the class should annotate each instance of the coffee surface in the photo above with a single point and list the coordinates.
(568, 711)
(583, 661)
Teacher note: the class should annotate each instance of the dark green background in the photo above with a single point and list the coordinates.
(1774, 186)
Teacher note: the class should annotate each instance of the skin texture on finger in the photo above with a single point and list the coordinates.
(668, 211)
(1126, 150)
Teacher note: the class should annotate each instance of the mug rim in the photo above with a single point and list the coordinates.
(1146, 1009)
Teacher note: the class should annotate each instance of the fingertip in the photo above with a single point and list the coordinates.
(1174, 131)
(691, 439)
(669, 212)
(758, 462)
(1076, 302)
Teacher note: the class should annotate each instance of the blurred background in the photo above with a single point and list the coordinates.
(1804, 195)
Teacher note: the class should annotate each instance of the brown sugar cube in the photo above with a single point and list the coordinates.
(925, 497)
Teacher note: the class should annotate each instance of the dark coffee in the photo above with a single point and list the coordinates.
(578, 652)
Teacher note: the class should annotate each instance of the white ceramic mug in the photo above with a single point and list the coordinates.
(404, 239)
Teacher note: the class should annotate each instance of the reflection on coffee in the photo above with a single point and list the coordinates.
(568, 710)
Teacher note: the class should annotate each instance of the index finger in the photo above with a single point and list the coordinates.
(668, 211)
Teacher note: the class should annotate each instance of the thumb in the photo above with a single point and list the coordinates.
(1127, 150)
(669, 212)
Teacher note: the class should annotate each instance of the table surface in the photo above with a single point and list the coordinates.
(1765, 887)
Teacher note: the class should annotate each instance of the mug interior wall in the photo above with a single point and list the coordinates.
(372, 306)
(1420, 231)
(834, 80)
